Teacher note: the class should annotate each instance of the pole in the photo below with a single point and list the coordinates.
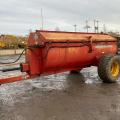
(87, 25)
(97, 26)
(75, 26)
(104, 28)
(42, 22)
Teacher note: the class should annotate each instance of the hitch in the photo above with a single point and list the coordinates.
(10, 69)
(15, 78)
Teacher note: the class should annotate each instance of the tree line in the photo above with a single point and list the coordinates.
(12, 41)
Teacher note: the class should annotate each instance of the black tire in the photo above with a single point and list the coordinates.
(109, 68)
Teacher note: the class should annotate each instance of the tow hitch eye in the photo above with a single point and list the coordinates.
(24, 67)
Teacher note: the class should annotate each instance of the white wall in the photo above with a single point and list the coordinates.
(10, 52)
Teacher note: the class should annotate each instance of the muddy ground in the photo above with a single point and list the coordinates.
(61, 97)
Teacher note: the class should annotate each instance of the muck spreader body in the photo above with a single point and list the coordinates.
(51, 52)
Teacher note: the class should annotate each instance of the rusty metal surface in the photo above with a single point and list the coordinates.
(53, 59)
(55, 36)
(54, 51)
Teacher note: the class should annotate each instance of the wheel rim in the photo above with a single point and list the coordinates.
(115, 68)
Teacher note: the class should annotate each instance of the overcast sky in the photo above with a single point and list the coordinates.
(19, 16)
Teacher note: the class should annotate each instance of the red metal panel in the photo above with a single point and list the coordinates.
(73, 36)
(57, 57)
(41, 37)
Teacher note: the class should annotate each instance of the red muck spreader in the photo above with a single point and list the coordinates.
(51, 52)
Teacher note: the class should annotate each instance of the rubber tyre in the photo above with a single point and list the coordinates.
(105, 66)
